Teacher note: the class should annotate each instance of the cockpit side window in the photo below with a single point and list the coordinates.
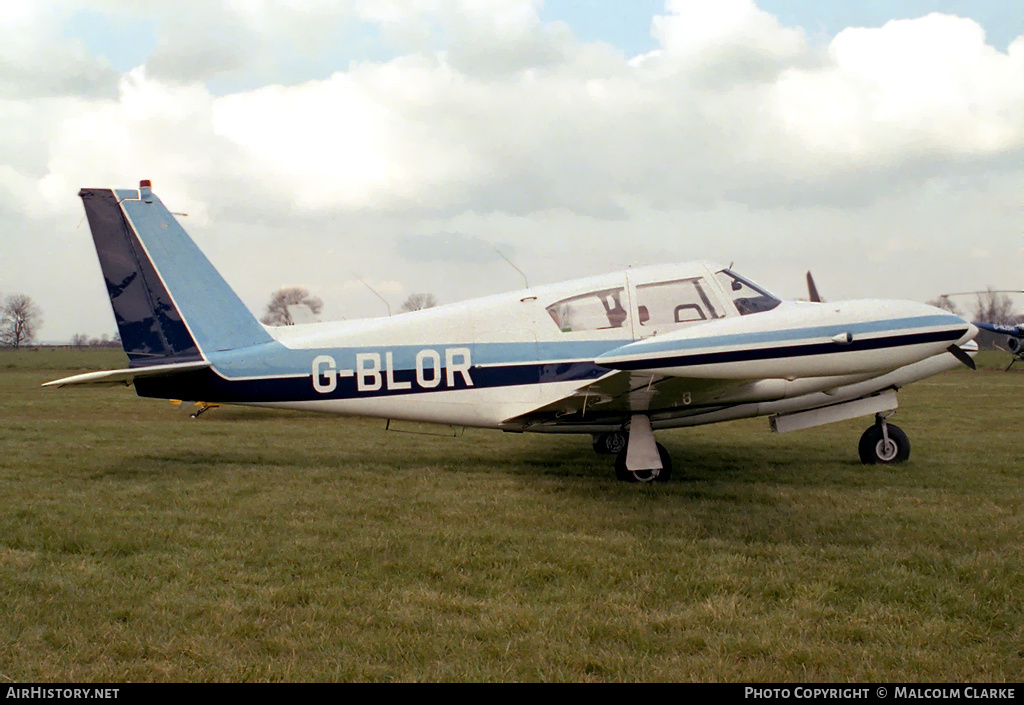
(598, 310)
(667, 304)
(747, 296)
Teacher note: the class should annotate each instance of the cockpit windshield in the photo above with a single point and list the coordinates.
(747, 296)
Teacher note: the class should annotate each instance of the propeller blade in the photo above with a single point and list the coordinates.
(812, 290)
(962, 356)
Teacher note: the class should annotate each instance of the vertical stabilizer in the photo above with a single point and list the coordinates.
(170, 304)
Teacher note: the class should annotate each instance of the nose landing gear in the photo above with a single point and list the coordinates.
(883, 443)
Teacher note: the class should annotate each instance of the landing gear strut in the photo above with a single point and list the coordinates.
(643, 459)
(623, 474)
(883, 443)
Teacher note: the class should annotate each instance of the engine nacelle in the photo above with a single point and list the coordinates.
(1014, 345)
(796, 341)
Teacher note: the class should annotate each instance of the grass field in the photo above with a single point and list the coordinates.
(137, 544)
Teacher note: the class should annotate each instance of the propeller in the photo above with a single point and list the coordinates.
(960, 355)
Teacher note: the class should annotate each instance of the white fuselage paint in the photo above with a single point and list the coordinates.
(426, 365)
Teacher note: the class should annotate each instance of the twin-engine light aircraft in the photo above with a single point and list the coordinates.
(617, 356)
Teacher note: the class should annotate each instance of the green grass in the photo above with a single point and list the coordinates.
(137, 544)
(62, 359)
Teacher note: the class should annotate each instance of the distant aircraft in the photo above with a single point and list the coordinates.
(1015, 333)
(616, 356)
(1014, 341)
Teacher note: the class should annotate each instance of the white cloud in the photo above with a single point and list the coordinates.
(912, 88)
(709, 31)
(353, 140)
(736, 140)
(37, 62)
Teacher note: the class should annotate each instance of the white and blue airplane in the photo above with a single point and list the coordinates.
(617, 356)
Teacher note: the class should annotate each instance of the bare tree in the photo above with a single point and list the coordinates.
(418, 302)
(20, 318)
(946, 304)
(79, 340)
(277, 308)
(994, 307)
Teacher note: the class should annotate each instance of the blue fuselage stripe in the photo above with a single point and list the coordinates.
(209, 386)
(274, 373)
(781, 352)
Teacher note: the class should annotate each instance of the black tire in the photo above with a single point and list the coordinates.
(663, 475)
(610, 443)
(872, 447)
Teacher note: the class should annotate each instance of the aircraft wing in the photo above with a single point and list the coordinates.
(620, 393)
(127, 376)
(774, 355)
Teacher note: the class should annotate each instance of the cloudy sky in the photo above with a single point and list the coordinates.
(406, 142)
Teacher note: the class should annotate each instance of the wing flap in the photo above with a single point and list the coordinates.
(127, 376)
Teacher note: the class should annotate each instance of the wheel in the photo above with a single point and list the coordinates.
(873, 448)
(663, 475)
(610, 443)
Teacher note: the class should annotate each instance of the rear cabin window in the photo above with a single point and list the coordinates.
(747, 296)
(598, 310)
(672, 303)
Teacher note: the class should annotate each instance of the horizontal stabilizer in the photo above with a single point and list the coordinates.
(127, 376)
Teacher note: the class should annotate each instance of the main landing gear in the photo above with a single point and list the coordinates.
(638, 458)
(610, 443)
(662, 474)
(883, 443)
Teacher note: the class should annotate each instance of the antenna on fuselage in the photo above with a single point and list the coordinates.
(511, 264)
(376, 294)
